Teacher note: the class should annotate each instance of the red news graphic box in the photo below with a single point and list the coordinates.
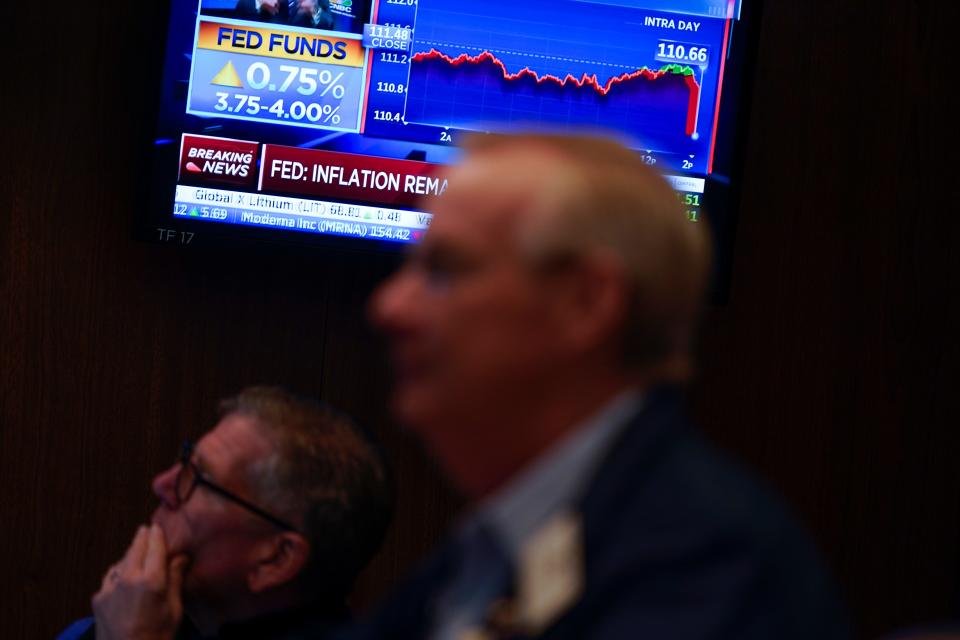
(347, 176)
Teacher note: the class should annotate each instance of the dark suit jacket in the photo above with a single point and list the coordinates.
(679, 544)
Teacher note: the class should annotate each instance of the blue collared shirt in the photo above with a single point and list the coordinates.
(492, 537)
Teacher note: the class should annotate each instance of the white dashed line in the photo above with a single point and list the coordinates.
(521, 53)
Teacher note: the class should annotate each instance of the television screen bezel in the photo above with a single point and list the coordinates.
(153, 222)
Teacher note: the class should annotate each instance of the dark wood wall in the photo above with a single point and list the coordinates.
(834, 367)
(831, 369)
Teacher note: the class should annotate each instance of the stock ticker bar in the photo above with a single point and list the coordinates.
(298, 214)
(281, 75)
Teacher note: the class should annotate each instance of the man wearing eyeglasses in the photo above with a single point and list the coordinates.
(261, 528)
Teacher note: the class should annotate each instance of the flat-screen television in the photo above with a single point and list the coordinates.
(325, 121)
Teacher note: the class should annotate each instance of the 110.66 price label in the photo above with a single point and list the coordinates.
(274, 75)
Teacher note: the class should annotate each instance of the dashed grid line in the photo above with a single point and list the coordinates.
(523, 53)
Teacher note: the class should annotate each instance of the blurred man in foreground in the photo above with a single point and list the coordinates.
(260, 530)
(539, 335)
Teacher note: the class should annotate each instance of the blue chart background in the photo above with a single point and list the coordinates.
(560, 37)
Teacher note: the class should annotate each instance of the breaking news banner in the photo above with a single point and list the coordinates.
(298, 189)
(277, 74)
(208, 161)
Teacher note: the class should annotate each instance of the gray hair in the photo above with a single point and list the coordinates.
(596, 195)
(325, 476)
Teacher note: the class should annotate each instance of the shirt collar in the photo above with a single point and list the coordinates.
(556, 478)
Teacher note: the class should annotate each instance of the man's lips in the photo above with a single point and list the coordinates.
(159, 518)
(409, 362)
(408, 372)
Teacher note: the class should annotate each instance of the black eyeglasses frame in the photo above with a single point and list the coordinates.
(186, 462)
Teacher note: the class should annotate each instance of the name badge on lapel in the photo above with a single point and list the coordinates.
(550, 572)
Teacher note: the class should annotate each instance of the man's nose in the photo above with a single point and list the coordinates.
(164, 485)
(389, 304)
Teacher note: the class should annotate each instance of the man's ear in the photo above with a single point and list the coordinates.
(595, 301)
(279, 562)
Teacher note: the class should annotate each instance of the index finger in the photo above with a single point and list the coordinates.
(155, 559)
(133, 560)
